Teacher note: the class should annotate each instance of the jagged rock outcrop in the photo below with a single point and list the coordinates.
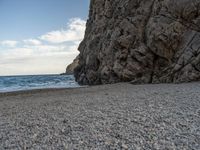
(70, 68)
(143, 41)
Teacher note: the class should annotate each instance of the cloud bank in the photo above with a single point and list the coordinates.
(8, 43)
(32, 42)
(47, 54)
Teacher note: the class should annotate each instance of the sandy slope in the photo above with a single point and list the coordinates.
(121, 116)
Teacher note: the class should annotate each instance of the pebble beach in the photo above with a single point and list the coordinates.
(118, 116)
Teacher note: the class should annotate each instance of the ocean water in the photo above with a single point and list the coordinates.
(21, 83)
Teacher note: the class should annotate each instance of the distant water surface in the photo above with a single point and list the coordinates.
(19, 83)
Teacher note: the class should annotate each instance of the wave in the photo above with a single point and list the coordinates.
(18, 83)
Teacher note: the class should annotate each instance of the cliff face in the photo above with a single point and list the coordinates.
(70, 68)
(143, 41)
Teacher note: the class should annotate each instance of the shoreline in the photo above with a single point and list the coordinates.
(54, 89)
(22, 83)
(41, 90)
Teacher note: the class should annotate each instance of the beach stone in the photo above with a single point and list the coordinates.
(154, 41)
(133, 117)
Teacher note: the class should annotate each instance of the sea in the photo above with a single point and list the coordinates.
(30, 82)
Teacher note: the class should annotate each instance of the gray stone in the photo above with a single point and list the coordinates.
(146, 41)
(70, 68)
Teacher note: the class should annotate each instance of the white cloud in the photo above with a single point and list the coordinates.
(34, 56)
(36, 64)
(32, 42)
(43, 59)
(74, 32)
(27, 61)
(8, 43)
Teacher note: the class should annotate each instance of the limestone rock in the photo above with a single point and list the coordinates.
(143, 41)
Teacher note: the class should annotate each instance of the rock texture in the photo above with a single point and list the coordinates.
(143, 41)
(70, 68)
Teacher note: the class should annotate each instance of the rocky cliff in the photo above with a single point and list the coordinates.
(70, 68)
(143, 41)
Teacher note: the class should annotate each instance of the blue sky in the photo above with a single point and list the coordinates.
(40, 31)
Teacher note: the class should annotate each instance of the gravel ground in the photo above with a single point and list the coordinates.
(119, 116)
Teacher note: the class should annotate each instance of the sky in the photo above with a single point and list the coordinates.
(40, 36)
